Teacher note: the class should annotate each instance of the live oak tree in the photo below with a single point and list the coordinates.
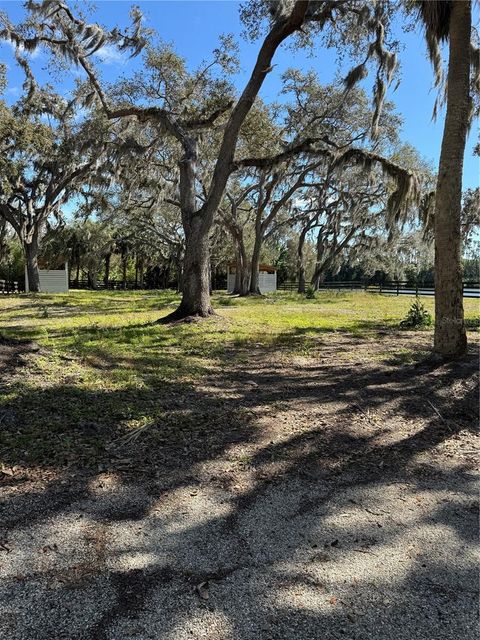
(343, 121)
(46, 154)
(342, 23)
(260, 135)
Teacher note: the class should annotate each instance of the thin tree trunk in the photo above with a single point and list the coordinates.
(450, 335)
(254, 272)
(92, 280)
(320, 263)
(106, 276)
(238, 277)
(301, 261)
(213, 278)
(244, 275)
(124, 271)
(318, 277)
(31, 258)
(179, 270)
(196, 263)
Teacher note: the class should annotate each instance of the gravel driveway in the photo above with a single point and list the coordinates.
(349, 512)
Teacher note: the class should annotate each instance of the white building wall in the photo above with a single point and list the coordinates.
(266, 282)
(230, 282)
(51, 280)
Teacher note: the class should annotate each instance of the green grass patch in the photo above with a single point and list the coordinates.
(107, 369)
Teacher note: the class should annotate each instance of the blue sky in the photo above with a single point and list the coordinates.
(194, 26)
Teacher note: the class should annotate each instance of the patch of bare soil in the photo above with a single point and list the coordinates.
(12, 354)
(329, 496)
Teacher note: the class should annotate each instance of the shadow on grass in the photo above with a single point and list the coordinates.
(302, 484)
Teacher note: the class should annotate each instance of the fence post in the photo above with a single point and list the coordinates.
(398, 288)
(416, 288)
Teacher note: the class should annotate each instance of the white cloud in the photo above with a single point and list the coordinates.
(36, 53)
(111, 55)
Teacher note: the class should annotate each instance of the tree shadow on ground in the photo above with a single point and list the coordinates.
(335, 515)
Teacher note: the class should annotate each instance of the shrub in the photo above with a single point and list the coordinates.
(417, 316)
(310, 293)
(43, 311)
(226, 301)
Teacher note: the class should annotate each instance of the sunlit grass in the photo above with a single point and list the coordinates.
(105, 360)
(122, 324)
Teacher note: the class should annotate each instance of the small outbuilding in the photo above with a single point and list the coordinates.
(267, 277)
(51, 280)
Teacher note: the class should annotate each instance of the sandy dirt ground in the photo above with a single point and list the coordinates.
(299, 498)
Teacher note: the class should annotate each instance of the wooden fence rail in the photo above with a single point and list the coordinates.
(471, 289)
(401, 287)
(8, 286)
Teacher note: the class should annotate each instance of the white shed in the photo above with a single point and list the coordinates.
(267, 277)
(51, 280)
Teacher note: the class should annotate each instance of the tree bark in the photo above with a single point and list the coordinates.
(124, 271)
(317, 277)
(450, 336)
(92, 280)
(106, 276)
(254, 274)
(178, 261)
(242, 276)
(301, 261)
(237, 285)
(196, 275)
(31, 258)
(196, 263)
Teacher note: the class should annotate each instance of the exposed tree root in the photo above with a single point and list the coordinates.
(179, 316)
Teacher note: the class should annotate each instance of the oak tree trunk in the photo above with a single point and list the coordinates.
(301, 262)
(124, 271)
(31, 258)
(242, 271)
(450, 335)
(92, 279)
(106, 277)
(237, 285)
(195, 276)
(254, 273)
(318, 277)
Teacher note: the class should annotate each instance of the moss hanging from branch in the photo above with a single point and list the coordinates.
(407, 190)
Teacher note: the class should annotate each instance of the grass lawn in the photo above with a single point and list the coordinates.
(104, 366)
